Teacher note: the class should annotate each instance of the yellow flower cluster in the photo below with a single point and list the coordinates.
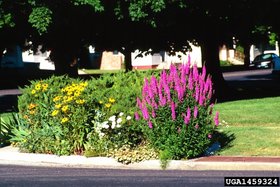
(32, 108)
(39, 87)
(55, 112)
(64, 120)
(110, 102)
(71, 94)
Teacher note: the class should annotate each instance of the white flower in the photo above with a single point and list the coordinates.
(118, 125)
(119, 120)
(128, 118)
(121, 114)
(101, 134)
(105, 126)
(113, 125)
(112, 118)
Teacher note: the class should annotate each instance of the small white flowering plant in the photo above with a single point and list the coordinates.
(116, 129)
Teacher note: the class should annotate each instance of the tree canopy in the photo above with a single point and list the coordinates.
(65, 26)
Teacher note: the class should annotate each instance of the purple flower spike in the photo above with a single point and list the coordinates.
(195, 73)
(154, 84)
(197, 93)
(190, 82)
(145, 89)
(183, 75)
(150, 124)
(195, 112)
(216, 119)
(153, 113)
(187, 117)
(145, 112)
(203, 75)
(136, 115)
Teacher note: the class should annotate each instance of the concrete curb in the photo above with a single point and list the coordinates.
(11, 156)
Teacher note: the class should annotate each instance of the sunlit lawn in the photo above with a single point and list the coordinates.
(255, 125)
(98, 71)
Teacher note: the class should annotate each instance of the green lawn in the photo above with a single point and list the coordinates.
(98, 71)
(254, 126)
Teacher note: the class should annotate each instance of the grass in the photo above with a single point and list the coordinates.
(98, 71)
(225, 63)
(254, 124)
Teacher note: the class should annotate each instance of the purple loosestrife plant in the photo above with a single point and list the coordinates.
(176, 111)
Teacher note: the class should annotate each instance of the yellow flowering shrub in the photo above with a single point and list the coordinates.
(58, 112)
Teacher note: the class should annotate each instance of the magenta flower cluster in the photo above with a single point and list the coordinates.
(174, 88)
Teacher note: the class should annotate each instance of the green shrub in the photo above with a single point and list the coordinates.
(57, 114)
(176, 112)
(114, 120)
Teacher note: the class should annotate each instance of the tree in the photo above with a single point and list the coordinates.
(67, 25)
(55, 24)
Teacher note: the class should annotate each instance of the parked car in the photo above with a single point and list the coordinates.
(276, 66)
(267, 60)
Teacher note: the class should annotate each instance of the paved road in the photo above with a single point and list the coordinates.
(70, 177)
(253, 75)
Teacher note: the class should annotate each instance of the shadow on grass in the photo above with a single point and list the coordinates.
(225, 139)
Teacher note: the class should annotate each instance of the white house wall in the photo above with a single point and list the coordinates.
(163, 59)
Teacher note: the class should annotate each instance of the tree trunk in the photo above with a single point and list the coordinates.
(246, 55)
(210, 58)
(128, 61)
(65, 61)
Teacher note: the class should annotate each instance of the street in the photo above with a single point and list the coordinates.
(251, 84)
(42, 176)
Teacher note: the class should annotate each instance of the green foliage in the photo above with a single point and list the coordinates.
(240, 49)
(165, 155)
(225, 63)
(6, 19)
(5, 129)
(273, 37)
(176, 112)
(62, 115)
(96, 4)
(40, 18)
(116, 95)
(141, 9)
(58, 113)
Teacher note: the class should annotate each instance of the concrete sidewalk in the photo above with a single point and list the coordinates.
(11, 156)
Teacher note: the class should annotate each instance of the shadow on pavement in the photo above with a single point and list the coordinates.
(255, 88)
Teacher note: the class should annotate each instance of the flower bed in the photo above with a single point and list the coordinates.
(167, 114)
